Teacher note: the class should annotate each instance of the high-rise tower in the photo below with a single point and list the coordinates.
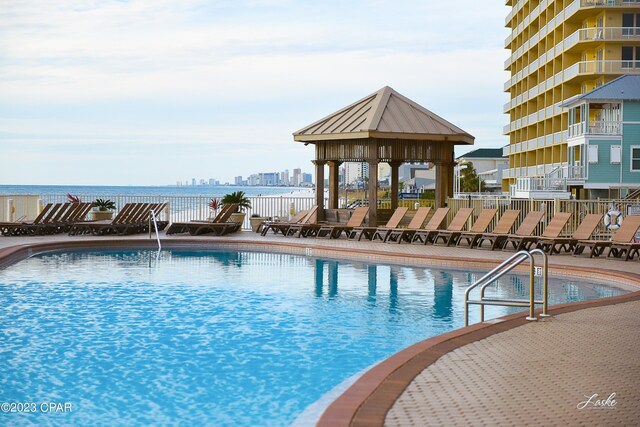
(560, 49)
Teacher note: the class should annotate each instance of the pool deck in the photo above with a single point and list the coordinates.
(579, 367)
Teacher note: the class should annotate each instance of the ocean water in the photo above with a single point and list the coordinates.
(208, 191)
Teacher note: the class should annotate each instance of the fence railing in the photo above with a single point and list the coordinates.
(187, 208)
(578, 209)
(179, 208)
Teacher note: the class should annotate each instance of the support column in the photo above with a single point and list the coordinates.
(334, 188)
(320, 187)
(395, 181)
(444, 183)
(373, 193)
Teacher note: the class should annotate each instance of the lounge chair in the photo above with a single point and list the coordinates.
(283, 227)
(307, 226)
(623, 245)
(370, 232)
(553, 230)
(451, 234)
(499, 232)
(522, 238)
(20, 227)
(555, 245)
(218, 226)
(480, 225)
(620, 242)
(336, 230)
(435, 223)
(406, 234)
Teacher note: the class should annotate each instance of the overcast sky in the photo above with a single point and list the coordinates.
(148, 92)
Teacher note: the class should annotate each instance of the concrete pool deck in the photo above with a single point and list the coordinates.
(505, 372)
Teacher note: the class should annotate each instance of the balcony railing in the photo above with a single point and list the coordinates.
(595, 128)
(608, 3)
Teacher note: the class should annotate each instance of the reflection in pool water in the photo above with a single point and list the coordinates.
(222, 338)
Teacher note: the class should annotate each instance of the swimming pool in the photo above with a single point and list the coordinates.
(218, 338)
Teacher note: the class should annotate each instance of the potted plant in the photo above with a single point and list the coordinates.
(103, 209)
(241, 200)
(73, 199)
(256, 221)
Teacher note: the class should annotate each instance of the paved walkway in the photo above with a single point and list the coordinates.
(579, 368)
(533, 374)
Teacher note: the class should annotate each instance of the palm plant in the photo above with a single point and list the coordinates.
(237, 198)
(104, 205)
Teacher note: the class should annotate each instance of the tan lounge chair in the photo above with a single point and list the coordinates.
(335, 231)
(435, 223)
(523, 237)
(626, 249)
(306, 227)
(480, 225)
(283, 227)
(499, 232)
(555, 245)
(451, 234)
(553, 230)
(370, 232)
(399, 234)
(620, 242)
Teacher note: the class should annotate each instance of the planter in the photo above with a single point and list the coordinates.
(101, 215)
(237, 217)
(256, 222)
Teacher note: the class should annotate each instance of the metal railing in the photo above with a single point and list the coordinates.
(152, 218)
(505, 267)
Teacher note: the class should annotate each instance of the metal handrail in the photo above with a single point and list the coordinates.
(502, 269)
(152, 217)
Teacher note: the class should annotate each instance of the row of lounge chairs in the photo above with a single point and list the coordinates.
(133, 218)
(54, 218)
(477, 236)
(70, 218)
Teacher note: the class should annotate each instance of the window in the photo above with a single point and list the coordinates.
(635, 158)
(630, 57)
(616, 154)
(630, 24)
(593, 154)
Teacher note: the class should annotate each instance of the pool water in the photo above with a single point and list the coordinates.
(214, 338)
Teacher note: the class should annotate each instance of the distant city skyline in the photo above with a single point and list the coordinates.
(147, 92)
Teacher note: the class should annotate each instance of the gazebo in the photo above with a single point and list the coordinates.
(383, 127)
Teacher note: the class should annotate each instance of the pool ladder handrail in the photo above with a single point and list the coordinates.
(152, 218)
(502, 269)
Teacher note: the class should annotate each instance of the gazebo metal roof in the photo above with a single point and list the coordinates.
(385, 114)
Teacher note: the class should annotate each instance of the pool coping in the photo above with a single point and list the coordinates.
(367, 401)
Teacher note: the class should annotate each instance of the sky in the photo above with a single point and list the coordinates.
(150, 92)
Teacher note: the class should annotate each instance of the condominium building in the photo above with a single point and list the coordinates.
(560, 50)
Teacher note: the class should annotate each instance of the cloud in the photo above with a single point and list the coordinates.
(237, 73)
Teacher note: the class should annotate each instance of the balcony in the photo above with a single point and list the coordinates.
(591, 68)
(592, 127)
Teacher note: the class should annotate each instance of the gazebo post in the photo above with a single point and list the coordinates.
(320, 188)
(444, 183)
(373, 193)
(334, 167)
(395, 165)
